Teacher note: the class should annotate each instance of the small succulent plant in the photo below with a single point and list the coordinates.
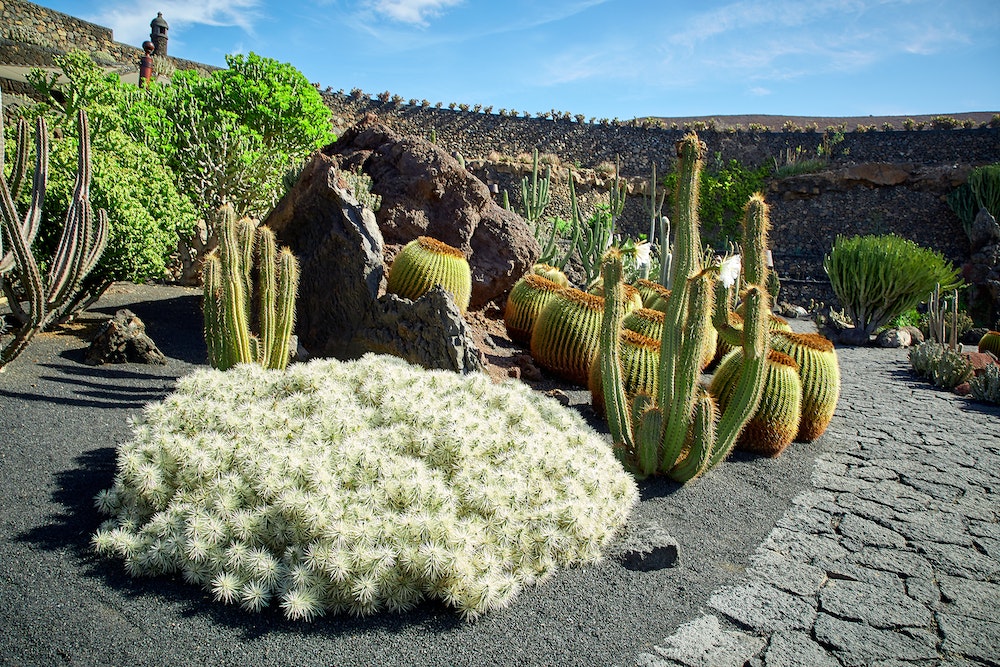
(360, 486)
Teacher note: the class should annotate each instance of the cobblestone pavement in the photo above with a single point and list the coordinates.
(893, 558)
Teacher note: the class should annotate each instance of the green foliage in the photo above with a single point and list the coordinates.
(876, 278)
(980, 190)
(723, 193)
(359, 487)
(130, 181)
(908, 318)
(230, 137)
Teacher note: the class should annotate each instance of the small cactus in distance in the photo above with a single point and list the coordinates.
(990, 342)
(231, 292)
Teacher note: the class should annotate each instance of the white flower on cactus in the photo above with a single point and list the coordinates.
(729, 270)
(643, 254)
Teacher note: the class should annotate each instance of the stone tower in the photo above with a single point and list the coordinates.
(158, 34)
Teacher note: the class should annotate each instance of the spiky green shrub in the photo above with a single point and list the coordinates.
(360, 486)
(876, 278)
(985, 387)
(944, 367)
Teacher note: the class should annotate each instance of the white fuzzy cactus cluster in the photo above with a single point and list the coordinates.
(360, 486)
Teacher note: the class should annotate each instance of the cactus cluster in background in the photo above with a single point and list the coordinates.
(944, 367)
(83, 240)
(359, 487)
(426, 262)
(246, 272)
(985, 387)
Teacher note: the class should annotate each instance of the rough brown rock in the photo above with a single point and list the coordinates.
(123, 339)
(427, 192)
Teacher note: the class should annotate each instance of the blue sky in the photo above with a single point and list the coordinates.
(607, 58)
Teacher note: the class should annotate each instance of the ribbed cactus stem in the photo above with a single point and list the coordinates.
(212, 310)
(704, 414)
(267, 284)
(288, 285)
(619, 422)
(234, 304)
(693, 331)
(754, 259)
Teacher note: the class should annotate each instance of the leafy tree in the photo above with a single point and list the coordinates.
(230, 137)
(131, 182)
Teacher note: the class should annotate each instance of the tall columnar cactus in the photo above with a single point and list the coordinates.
(820, 375)
(231, 292)
(535, 192)
(775, 422)
(640, 358)
(426, 262)
(84, 237)
(684, 433)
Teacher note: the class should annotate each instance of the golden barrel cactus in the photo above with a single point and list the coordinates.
(566, 335)
(820, 375)
(426, 262)
(640, 361)
(527, 298)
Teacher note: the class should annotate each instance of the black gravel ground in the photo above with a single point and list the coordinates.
(60, 421)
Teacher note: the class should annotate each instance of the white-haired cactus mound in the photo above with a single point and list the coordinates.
(360, 486)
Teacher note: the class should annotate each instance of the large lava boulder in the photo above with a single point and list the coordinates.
(339, 311)
(426, 192)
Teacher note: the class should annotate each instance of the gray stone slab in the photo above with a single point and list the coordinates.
(899, 496)
(796, 649)
(869, 533)
(868, 509)
(940, 486)
(877, 606)
(846, 571)
(804, 547)
(859, 644)
(924, 590)
(833, 482)
(961, 561)
(703, 643)
(763, 607)
(786, 574)
(966, 597)
(970, 637)
(897, 561)
(933, 526)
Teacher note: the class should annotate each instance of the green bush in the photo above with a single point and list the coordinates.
(723, 194)
(877, 278)
(360, 486)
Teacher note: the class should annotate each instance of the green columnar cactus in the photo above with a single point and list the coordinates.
(228, 276)
(535, 192)
(684, 434)
(820, 376)
(553, 273)
(640, 359)
(990, 342)
(426, 262)
(565, 337)
(729, 325)
(645, 321)
(84, 237)
(775, 423)
(527, 298)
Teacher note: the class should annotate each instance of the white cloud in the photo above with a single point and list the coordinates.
(130, 20)
(412, 11)
(759, 91)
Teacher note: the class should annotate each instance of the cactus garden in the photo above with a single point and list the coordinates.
(620, 384)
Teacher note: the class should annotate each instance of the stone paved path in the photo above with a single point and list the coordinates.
(892, 559)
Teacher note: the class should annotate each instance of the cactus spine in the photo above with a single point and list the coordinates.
(228, 276)
(84, 237)
(684, 434)
(566, 334)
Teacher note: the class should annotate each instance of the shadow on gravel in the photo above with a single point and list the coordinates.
(98, 387)
(72, 528)
(981, 408)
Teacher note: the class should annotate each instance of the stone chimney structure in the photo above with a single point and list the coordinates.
(158, 35)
